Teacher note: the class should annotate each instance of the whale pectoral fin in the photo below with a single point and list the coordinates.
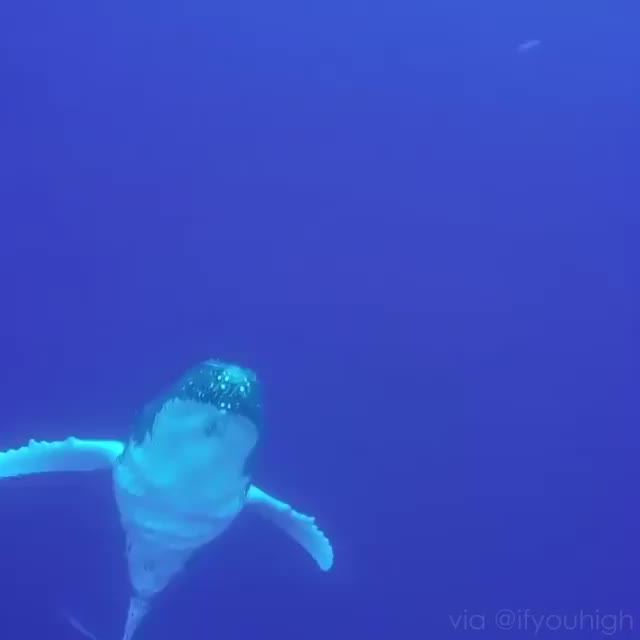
(300, 527)
(71, 454)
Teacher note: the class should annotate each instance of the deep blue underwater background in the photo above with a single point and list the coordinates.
(423, 240)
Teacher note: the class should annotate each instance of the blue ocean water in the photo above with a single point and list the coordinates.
(417, 221)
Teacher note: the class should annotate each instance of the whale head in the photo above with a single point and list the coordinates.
(205, 424)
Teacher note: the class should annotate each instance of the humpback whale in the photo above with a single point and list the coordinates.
(181, 478)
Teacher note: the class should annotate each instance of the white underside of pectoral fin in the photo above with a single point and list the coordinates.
(300, 527)
(71, 454)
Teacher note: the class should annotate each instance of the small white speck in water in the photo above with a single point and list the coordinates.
(528, 45)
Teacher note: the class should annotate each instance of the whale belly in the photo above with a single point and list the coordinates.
(166, 523)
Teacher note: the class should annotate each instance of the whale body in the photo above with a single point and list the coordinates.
(182, 477)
